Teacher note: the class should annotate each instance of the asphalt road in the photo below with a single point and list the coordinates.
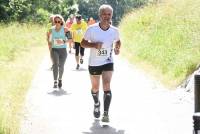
(140, 105)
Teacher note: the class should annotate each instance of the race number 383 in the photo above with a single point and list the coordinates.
(102, 52)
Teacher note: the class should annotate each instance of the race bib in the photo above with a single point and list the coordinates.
(102, 52)
(79, 31)
(56, 42)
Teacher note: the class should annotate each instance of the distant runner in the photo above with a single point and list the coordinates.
(68, 34)
(78, 29)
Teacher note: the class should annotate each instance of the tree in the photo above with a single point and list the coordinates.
(28, 10)
(120, 7)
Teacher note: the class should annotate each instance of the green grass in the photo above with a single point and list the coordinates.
(21, 49)
(164, 39)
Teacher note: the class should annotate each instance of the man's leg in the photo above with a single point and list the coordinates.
(95, 80)
(82, 54)
(106, 79)
(77, 54)
(70, 46)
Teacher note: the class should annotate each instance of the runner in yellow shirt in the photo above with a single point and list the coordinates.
(78, 29)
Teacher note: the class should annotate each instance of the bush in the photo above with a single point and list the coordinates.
(42, 16)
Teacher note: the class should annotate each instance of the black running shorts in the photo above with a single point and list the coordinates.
(97, 70)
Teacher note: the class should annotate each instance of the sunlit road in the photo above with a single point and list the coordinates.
(139, 105)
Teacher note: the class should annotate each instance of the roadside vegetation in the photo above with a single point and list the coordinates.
(164, 39)
(22, 47)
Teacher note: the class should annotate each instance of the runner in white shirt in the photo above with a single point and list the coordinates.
(100, 37)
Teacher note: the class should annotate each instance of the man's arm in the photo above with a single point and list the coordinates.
(87, 44)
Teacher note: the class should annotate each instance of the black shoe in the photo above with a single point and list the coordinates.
(81, 61)
(96, 110)
(55, 84)
(59, 83)
(77, 67)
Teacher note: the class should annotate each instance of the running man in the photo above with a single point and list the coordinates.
(100, 37)
(78, 29)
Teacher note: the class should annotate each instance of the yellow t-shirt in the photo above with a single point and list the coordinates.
(78, 31)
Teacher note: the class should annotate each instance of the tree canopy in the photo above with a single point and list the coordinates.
(89, 8)
(39, 10)
(34, 10)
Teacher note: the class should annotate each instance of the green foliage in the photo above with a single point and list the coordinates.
(42, 16)
(4, 10)
(165, 36)
(21, 47)
(19, 9)
(89, 8)
(28, 10)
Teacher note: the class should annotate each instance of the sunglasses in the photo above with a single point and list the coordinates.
(57, 21)
(78, 18)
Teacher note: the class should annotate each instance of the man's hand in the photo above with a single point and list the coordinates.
(117, 51)
(117, 47)
(98, 45)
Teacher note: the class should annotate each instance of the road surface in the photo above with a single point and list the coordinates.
(140, 105)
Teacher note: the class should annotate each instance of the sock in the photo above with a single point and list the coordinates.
(107, 99)
(95, 97)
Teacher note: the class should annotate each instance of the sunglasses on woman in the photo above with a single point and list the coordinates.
(57, 21)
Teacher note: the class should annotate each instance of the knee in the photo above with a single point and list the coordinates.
(76, 53)
(106, 87)
(61, 67)
(95, 87)
(95, 90)
(55, 64)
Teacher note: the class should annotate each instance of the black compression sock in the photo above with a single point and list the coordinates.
(95, 96)
(107, 100)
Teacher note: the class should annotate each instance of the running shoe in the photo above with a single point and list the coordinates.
(77, 67)
(96, 110)
(81, 61)
(105, 117)
(59, 83)
(55, 84)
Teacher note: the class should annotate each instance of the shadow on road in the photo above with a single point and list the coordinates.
(104, 129)
(59, 92)
(80, 69)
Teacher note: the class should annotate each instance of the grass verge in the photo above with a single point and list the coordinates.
(163, 39)
(22, 47)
